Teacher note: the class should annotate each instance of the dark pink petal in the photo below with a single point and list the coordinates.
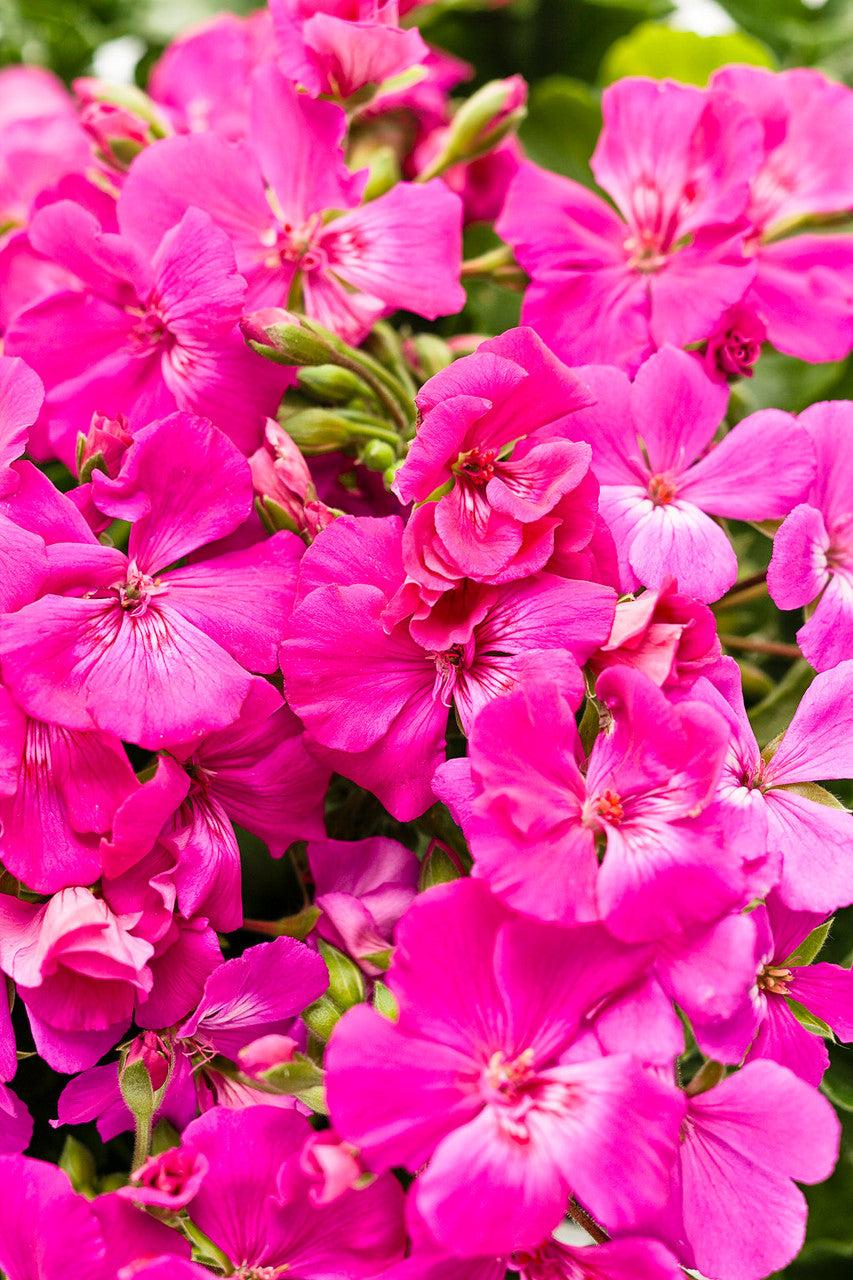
(111, 266)
(769, 453)
(354, 550)
(484, 1192)
(798, 569)
(180, 971)
(45, 1229)
(131, 1234)
(16, 1123)
(21, 396)
(241, 600)
(404, 248)
(818, 743)
(781, 1038)
(39, 507)
(801, 291)
(23, 565)
(256, 994)
(827, 638)
(678, 540)
(394, 1095)
(152, 679)
(182, 483)
(314, 129)
(826, 990)
(203, 170)
(816, 844)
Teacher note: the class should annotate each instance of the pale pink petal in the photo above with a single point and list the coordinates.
(759, 471)
(798, 569)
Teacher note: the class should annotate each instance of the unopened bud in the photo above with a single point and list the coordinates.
(329, 384)
(322, 1017)
(377, 455)
(137, 1089)
(384, 172)
(384, 1002)
(346, 983)
(484, 120)
(440, 866)
(708, 1075)
(427, 354)
(103, 446)
(317, 430)
(286, 338)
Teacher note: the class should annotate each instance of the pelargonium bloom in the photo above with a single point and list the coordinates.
(371, 691)
(479, 1079)
(802, 283)
(155, 657)
(538, 817)
(479, 448)
(611, 289)
(255, 1203)
(162, 318)
(48, 1232)
(662, 478)
(813, 550)
(338, 53)
(402, 250)
(770, 797)
(743, 1143)
(21, 397)
(765, 1026)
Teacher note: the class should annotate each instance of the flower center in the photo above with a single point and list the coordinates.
(448, 664)
(662, 490)
(505, 1080)
(137, 591)
(477, 465)
(775, 980)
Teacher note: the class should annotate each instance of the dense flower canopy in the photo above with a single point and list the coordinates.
(419, 828)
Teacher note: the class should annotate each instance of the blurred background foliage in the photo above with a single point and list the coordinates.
(568, 51)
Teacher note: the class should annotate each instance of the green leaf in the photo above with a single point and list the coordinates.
(809, 947)
(562, 126)
(811, 791)
(652, 49)
(79, 1163)
(346, 982)
(809, 1020)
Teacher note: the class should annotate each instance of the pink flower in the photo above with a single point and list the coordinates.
(813, 550)
(338, 53)
(167, 1181)
(371, 691)
(347, 271)
(743, 1142)
(767, 795)
(610, 289)
(478, 1078)
(495, 444)
(735, 346)
(284, 486)
(255, 1203)
(156, 658)
(669, 637)
(21, 397)
(539, 820)
(662, 478)
(803, 282)
(162, 318)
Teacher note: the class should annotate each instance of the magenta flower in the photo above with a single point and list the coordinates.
(802, 283)
(609, 286)
(156, 657)
(765, 1025)
(541, 817)
(402, 250)
(813, 550)
(479, 1079)
(21, 397)
(766, 797)
(48, 1232)
(254, 1202)
(662, 478)
(59, 792)
(743, 1143)
(480, 447)
(371, 692)
(669, 637)
(167, 1181)
(162, 319)
(338, 53)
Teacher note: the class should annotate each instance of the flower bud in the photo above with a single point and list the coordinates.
(330, 384)
(427, 354)
(332, 1165)
(317, 430)
(484, 120)
(137, 1089)
(287, 338)
(322, 1017)
(78, 1162)
(440, 866)
(167, 1181)
(103, 446)
(377, 455)
(346, 984)
(264, 1053)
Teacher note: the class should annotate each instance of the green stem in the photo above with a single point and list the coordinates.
(748, 645)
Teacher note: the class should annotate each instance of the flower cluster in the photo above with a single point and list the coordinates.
(430, 623)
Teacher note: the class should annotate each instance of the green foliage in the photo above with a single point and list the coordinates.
(658, 51)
